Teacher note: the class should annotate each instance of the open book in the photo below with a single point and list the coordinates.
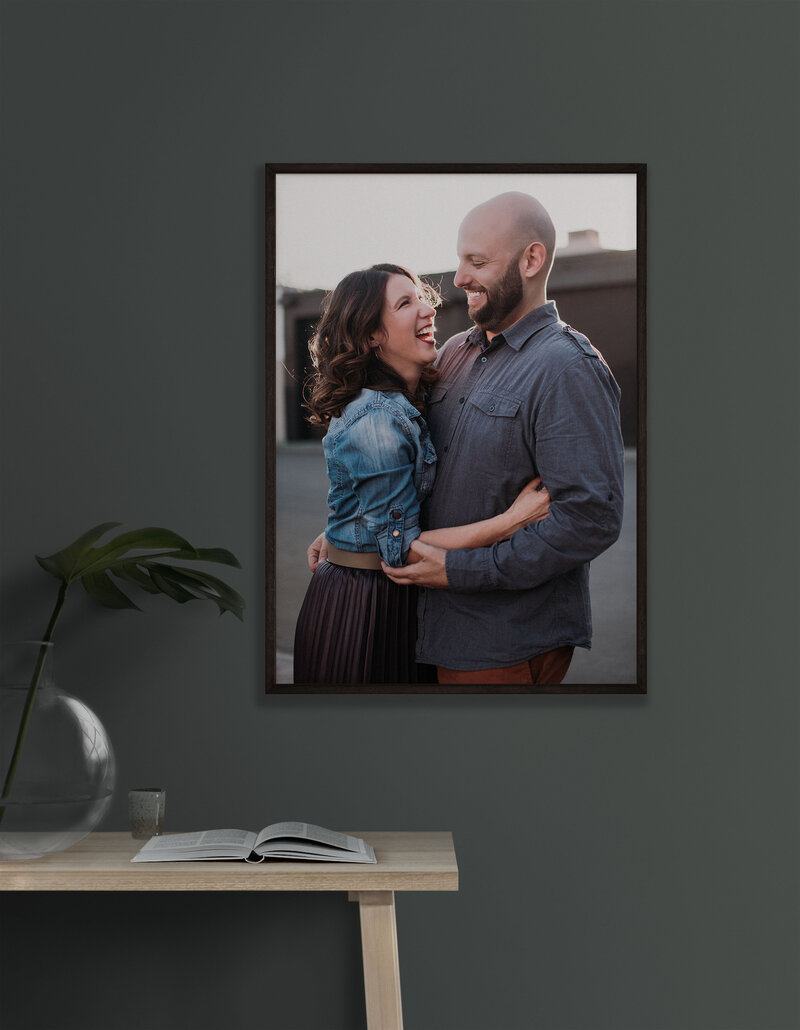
(280, 840)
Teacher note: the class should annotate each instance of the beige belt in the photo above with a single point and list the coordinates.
(354, 559)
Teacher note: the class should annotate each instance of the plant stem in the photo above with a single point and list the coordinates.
(31, 695)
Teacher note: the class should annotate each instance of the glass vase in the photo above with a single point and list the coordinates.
(56, 761)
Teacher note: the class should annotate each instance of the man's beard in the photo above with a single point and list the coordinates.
(501, 299)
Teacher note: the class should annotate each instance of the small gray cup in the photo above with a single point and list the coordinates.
(146, 811)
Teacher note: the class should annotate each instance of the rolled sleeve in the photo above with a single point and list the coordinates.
(580, 457)
(383, 482)
(395, 535)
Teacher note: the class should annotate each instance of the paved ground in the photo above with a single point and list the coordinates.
(301, 512)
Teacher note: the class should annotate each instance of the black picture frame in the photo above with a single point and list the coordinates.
(636, 434)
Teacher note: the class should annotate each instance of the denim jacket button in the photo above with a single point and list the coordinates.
(396, 532)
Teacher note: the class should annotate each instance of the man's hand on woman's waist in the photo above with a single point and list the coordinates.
(426, 567)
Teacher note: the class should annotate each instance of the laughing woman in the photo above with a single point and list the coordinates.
(373, 354)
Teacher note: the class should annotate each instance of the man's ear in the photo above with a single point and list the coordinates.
(533, 259)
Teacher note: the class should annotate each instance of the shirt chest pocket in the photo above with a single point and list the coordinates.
(492, 426)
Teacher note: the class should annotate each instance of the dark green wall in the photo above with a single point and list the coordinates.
(650, 872)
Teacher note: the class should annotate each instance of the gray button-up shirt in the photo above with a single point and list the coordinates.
(537, 399)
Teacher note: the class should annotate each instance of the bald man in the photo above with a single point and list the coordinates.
(519, 395)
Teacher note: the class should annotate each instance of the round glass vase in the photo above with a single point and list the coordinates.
(56, 761)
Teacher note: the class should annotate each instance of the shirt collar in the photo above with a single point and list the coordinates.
(521, 331)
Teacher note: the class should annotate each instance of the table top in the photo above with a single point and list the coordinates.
(407, 861)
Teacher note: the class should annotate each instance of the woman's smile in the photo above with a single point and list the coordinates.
(407, 337)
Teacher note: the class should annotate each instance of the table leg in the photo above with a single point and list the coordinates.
(381, 963)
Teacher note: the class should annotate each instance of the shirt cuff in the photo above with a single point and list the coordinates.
(470, 569)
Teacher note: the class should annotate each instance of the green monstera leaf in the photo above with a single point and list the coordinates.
(146, 559)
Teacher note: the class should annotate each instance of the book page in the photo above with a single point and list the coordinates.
(203, 844)
(285, 848)
(307, 831)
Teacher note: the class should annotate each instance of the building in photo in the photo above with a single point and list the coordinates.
(594, 290)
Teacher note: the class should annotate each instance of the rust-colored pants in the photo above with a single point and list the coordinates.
(548, 668)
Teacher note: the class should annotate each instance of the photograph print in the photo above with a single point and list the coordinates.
(455, 439)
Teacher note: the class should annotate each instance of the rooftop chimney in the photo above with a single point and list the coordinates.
(583, 240)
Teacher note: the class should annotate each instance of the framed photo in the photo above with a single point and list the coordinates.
(577, 581)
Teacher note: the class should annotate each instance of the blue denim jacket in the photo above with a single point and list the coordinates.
(381, 465)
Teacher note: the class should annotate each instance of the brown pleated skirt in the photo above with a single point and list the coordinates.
(357, 626)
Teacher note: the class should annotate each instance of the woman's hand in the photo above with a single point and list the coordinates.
(317, 552)
(531, 505)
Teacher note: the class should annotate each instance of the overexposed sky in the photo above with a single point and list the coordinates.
(328, 224)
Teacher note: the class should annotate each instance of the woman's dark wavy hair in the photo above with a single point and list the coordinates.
(344, 361)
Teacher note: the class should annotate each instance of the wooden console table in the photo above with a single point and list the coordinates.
(406, 862)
